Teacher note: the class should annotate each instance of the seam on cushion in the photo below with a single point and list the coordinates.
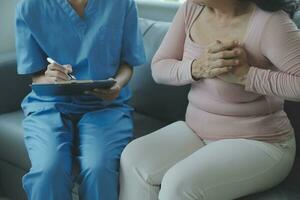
(148, 29)
(13, 164)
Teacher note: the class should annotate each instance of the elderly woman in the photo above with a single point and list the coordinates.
(98, 40)
(242, 59)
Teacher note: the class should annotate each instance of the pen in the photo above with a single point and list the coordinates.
(51, 61)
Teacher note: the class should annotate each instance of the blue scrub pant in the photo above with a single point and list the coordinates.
(49, 138)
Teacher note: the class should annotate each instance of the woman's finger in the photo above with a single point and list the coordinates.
(221, 46)
(219, 71)
(225, 54)
(224, 63)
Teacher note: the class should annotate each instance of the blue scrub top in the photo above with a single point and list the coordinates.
(94, 45)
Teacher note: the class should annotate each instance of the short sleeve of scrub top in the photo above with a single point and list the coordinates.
(31, 57)
(132, 44)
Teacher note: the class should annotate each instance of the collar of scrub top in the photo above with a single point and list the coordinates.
(73, 15)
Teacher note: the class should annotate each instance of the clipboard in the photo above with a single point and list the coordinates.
(70, 88)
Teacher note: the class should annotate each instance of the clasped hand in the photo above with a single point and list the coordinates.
(225, 60)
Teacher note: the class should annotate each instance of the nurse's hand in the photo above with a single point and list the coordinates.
(54, 73)
(107, 94)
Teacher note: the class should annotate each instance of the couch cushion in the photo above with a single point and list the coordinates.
(166, 103)
(14, 86)
(158, 10)
(297, 18)
(12, 148)
(293, 111)
(145, 25)
(144, 125)
(11, 181)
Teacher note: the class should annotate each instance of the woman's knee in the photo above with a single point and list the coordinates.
(132, 154)
(136, 163)
(176, 186)
(140, 150)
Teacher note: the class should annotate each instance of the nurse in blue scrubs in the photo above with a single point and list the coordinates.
(94, 39)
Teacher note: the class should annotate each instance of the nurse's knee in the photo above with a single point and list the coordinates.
(175, 186)
(51, 167)
(100, 165)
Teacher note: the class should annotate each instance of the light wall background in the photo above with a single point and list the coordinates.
(7, 8)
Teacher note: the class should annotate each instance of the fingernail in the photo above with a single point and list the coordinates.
(237, 52)
(237, 62)
(69, 67)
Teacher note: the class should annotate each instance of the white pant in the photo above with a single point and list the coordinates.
(173, 163)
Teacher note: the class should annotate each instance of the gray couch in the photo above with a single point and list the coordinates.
(156, 106)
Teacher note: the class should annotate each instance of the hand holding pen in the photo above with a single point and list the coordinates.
(54, 73)
(60, 72)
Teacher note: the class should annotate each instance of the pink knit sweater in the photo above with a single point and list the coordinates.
(220, 110)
